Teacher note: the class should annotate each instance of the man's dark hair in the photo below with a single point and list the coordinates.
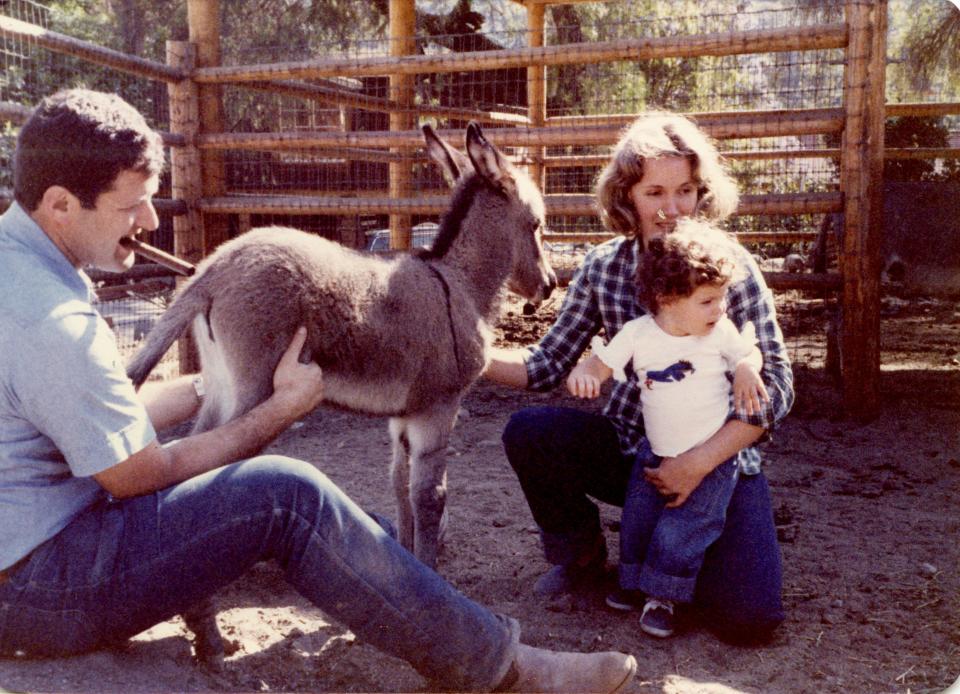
(82, 140)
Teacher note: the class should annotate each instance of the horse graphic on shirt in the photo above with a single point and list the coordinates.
(673, 373)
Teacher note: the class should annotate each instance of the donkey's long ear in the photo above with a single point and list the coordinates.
(452, 163)
(488, 161)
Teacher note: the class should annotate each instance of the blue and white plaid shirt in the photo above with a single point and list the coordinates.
(602, 294)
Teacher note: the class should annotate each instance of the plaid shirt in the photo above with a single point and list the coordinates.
(602, 294)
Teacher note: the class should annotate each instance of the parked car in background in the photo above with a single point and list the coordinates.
(423, 235)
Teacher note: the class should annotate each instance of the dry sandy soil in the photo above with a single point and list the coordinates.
(866, 513)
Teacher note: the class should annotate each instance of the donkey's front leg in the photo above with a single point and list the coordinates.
(400, 477)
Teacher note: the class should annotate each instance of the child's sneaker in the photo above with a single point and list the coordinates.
(657, 618)
(625, 600)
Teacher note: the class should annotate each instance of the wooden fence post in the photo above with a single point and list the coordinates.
(185, 181)
(203, 18)
(403, 26)
(861, 180)
(536, 90)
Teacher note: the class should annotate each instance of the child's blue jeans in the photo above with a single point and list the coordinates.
(662, 549)
(123, 566)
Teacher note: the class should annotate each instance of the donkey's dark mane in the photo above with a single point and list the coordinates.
(452, 221)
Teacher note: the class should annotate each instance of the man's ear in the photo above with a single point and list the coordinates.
(58, 202)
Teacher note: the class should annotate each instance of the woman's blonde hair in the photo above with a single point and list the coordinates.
(651, 136)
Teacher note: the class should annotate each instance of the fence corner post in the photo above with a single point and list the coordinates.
(861, 179)
(403, 27)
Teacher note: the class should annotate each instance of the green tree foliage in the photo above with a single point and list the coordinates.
(930, 48)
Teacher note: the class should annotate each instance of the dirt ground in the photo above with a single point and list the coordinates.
(866, 513)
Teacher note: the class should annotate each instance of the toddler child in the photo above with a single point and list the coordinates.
(681, 353)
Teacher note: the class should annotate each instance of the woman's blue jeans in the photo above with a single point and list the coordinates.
(123, 566)
(662, 549)
(564, 458)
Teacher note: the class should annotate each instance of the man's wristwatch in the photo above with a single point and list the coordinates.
(198, 387)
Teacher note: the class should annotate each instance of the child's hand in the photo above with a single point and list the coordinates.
(748, 389)
(587, 377)
(582, 384)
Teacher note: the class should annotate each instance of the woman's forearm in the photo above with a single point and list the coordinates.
(730, 439)
(507, 367)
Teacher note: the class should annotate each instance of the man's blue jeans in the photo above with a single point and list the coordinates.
(662, 549)
(564, 456)
(123, 566)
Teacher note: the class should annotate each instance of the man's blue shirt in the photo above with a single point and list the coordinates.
(67, 409)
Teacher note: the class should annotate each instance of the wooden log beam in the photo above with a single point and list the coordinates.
(294, 205)
(780, 281)
(90, 52)
(340, 96)
(830, 281)
(747, 126)
(536, 92)
(788, 203)
(918, 109)
(403, 29)
(861, 171)
(742, 237)
(435, 203)
(717, 44)
(203, 20)
(921, 153)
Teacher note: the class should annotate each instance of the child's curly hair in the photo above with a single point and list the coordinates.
(694, 254)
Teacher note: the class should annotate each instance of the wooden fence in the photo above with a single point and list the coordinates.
(200, 200)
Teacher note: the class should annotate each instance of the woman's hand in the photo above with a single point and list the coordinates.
(678, 477)
(299, 387)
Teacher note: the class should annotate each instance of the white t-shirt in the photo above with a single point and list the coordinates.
(684, 389)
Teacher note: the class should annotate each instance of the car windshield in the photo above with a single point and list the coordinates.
(423, 236)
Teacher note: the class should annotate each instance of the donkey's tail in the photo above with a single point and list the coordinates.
(193, 300)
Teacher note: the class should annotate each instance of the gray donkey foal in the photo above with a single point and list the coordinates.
(403, 336)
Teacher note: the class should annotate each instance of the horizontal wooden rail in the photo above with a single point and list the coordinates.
(922, 153)
(780, 281)
(718, 44)
(923, 109)
(431, 203)
(747, 126)
(341, 96)
(789, 203)
(297, 205)
(170, 207)
(115, 292)
(90, 52)
(742, 236)
(831, 281)
(598, 160)
(727, 124)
